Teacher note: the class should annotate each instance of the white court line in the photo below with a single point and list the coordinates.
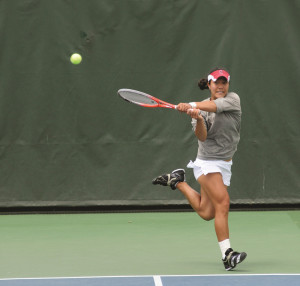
(157, 280)
(145, 276)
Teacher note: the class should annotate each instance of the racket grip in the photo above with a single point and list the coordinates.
(175, 106)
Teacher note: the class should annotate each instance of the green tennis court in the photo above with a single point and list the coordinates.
(126, 244)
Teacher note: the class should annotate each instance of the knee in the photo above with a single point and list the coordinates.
(223, 206)
(208, 218)
(206, 215)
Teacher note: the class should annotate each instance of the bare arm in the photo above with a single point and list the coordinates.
(208, 106)
(200, 131)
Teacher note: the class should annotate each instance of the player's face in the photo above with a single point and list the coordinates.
(218, 88)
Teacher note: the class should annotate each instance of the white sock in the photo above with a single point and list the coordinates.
(224, 245)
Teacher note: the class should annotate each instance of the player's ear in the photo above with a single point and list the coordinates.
(208, 84)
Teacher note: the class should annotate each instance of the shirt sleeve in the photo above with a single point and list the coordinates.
(231, 102)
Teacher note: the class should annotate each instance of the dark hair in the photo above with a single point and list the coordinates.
(202, 83)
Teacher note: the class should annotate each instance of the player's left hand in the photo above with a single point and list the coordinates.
(194, 113)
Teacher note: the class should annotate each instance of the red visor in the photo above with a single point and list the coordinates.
(218, 73)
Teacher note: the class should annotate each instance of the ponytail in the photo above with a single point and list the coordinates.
(203, 83)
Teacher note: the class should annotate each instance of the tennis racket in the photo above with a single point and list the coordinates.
(143, 99)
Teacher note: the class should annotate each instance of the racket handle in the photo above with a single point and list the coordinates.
(175, 106)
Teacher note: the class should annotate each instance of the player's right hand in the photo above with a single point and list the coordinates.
(183, 107)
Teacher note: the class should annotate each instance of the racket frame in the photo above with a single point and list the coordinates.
(159, 102)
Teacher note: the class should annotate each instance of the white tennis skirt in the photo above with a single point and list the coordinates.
(204, 167)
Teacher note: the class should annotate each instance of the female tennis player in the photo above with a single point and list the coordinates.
(216, 123)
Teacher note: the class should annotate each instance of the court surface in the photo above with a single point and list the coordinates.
(157, 249)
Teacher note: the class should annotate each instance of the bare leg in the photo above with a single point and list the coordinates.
(212, 203)
(200, 203)
(217, 192)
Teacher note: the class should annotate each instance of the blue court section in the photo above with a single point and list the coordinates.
(207, 280)
(233, 280)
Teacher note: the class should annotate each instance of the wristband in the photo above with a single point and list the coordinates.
(193, 104)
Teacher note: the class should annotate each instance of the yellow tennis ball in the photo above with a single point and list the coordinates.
(76, 59)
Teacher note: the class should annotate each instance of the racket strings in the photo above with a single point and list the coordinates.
(136, 97)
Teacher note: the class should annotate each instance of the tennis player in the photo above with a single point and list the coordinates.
(216, 123)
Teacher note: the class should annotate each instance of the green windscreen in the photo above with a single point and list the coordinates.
(66, 137)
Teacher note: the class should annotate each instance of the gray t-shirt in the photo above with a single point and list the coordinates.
(223, 129)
